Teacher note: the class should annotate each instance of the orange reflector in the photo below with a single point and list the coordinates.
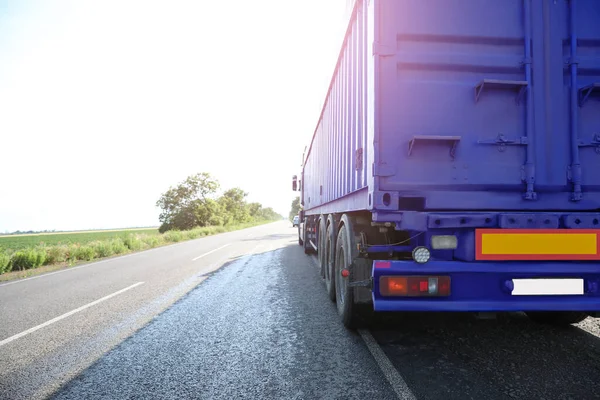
(537, 244)
(393, 286)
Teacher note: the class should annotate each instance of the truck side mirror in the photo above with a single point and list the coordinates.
(295, 183)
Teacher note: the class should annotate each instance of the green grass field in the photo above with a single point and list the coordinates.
(17, 242)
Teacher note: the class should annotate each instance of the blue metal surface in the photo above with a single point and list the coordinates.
(423, 221)
(435, 105)
(335, 165)
(481, 286)
(575, 163)
(530, 194)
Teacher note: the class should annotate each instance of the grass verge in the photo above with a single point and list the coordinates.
(40, 258)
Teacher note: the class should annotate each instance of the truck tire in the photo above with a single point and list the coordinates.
(344, 255)
(557, 317)
(307, 246)
(321, 254)
(330, 259)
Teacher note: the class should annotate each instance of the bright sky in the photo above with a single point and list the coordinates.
(105, 104)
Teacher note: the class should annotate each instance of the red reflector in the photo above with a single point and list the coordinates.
(444, 285)
(415, 286)
(345, 273)
(383, 264)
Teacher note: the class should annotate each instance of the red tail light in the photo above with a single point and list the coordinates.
(444, 286)
(414, 286)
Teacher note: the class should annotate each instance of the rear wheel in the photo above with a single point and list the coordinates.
(321, 253)
(557, 317)
(346, 305)
(330, 261)
(308, 249)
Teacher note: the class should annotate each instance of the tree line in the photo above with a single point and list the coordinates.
(194, 203)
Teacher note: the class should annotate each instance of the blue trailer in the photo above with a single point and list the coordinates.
(455, 165)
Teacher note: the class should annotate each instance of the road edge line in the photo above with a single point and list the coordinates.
(65, 315)
(385, 365)
(210, 252)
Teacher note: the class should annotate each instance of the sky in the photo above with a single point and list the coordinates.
(106, 104)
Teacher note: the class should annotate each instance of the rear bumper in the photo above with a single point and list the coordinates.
(481, 286)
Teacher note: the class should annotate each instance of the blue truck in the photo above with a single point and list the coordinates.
(455, 165)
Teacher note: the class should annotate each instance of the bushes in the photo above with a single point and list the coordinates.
(173, 236)
(102, 249)
(108, 248)
(134, 243)
(118, 247)
(40, 257)
(70, 253)
(4, 262)
(154, 241)
(27, 259)
(56, 254)
(85, 253)
(192, 234)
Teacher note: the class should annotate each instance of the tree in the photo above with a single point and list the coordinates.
(254, 209)
(269, 214)
(295, 207)
(192, 204)
(211, 214)
(234, 205)
(182, 204)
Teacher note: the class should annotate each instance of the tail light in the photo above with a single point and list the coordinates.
(444, 242)
(414, 286)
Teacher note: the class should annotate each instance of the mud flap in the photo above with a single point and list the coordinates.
(361, 281)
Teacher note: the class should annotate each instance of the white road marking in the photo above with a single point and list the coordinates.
(70, 269)
(254, 250)
(384, 363)
(93, 303)
(212, 251)
(391, 374)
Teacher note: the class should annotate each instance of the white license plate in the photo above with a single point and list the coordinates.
(528, 287)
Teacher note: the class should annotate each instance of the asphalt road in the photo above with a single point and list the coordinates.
(252, 320)
(34, 365)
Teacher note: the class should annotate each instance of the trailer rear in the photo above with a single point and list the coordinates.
(454, 166)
